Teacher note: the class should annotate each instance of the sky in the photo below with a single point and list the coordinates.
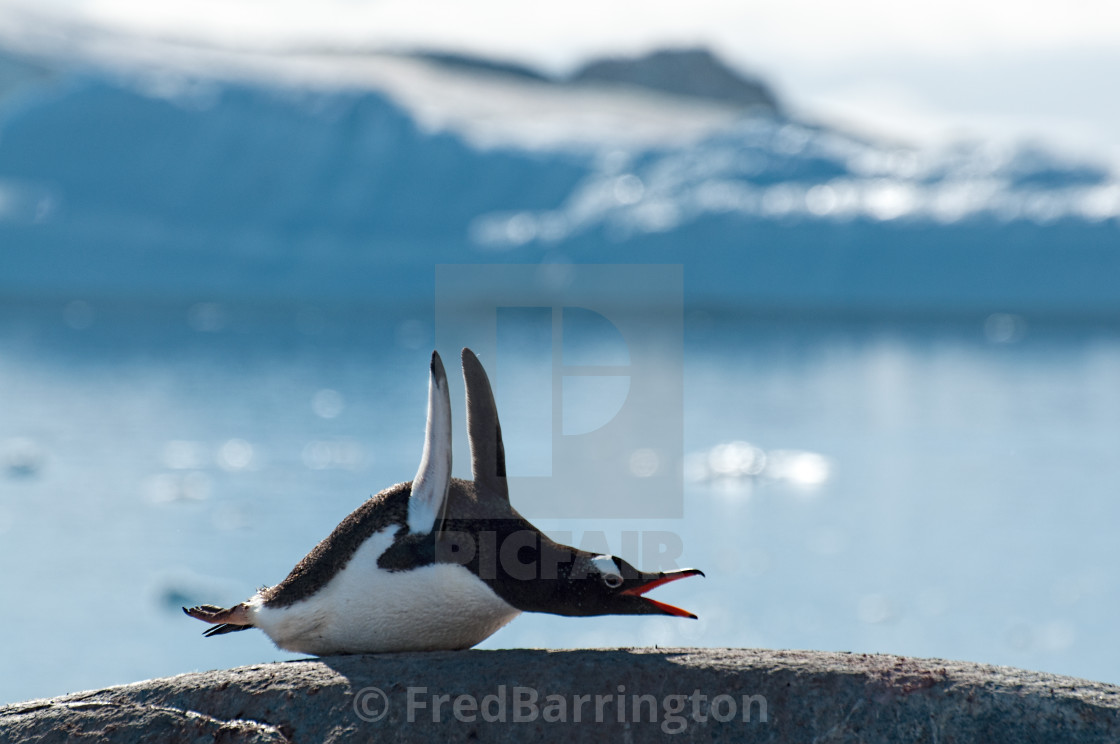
(999, 69)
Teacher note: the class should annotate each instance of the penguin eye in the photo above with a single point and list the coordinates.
(614, 581)
(608, 569)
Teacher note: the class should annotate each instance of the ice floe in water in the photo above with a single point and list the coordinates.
(742, 461)
(769, 168)
(21, 457)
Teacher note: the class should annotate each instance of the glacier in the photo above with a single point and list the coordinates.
(348, 178)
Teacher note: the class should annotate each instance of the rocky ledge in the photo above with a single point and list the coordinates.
(586, 695)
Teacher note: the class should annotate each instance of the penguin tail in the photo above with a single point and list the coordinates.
(224, 620)
(225, 628)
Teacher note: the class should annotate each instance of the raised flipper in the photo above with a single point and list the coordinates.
(488, 455)
(428, 499)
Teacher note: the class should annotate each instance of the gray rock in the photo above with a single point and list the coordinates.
(697, 694)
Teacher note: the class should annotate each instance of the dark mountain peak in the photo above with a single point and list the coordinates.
(696, 72)
(471, 63)
(693, 73)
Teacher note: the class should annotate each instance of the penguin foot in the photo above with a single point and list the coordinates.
(225, 620)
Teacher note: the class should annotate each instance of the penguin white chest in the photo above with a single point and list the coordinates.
(367, 609)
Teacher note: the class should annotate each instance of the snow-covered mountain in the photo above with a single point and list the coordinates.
(172, 171)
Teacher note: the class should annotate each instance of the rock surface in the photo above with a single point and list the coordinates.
(573, 696)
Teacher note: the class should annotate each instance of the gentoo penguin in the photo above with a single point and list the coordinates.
(439, 563)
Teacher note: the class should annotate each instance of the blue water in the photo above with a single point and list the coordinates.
(158, 455)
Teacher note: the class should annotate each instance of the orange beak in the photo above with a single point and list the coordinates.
(664, 578)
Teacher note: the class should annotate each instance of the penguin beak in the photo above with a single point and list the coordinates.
(657, 580)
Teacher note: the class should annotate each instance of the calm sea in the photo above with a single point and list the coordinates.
(927, 489)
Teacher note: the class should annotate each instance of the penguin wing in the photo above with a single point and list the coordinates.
(428, 500)
(488, 455)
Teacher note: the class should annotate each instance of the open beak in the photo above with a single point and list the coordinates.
(664, 578)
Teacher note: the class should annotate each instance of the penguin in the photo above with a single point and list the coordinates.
(438, 563)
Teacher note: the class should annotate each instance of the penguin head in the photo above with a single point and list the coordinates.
(608, 585)
(556, 578)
